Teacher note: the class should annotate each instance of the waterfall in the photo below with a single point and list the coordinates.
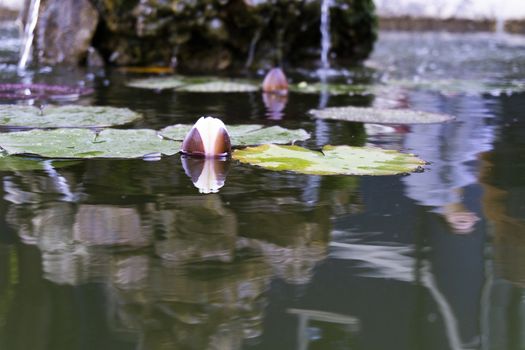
(29, 33)
(325, 33)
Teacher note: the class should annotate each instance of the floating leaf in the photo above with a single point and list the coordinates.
(244, 135)
(159, 83)
(273, 134)
(195, 84)
(333, 160)
(65, 116)
(380, 116)
(333, 89)
(84, 143)
(15, 163)
(220, 86)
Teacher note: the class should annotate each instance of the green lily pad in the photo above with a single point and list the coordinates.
(195, 84)
(16, 163)
(158, 83)
(65, 116)
(220, 86)
(333, 89)
(333, 160)
(245, 135)
(380, 116)
(84, 143)
(463, 87)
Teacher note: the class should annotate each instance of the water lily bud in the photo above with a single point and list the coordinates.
(208, 175)
(207, 138)
(275, 82)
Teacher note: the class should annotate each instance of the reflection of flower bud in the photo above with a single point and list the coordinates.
(207, 138)
(275, 104)
(208, 175)
(275, 82)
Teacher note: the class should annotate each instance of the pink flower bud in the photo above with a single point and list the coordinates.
(208, 138)
(275, 82)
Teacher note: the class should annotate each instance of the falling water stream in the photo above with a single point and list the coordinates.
(325, 63)
(325, 35)
(29, 33)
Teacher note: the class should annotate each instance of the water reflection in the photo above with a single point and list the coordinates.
(502, 177)
(175, 269)
(208, 175)
(453, 149)
(194, 229)
(275, 104)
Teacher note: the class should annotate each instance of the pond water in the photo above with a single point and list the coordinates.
(127, 254)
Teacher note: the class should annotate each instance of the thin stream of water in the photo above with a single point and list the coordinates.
(325, 34)
(29, 34)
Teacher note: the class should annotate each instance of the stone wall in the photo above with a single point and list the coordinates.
(204, 35)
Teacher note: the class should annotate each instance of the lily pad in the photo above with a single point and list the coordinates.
(245, 135)
(333, 160)
(195, 84)
(15, 163)
(220, 86)
(380, 116)
(84, 143)
(333, 89)
(158, 83)
(65, 116)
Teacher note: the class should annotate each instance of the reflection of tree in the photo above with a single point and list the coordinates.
(197, 307)
(290, 221)
(178, 270)
(509, 235)
(195, 229)
(503, 181)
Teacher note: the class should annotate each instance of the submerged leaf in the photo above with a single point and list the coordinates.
(83, 143)
(333, 160)
(65, 116)
(245, 135)
(380, 116)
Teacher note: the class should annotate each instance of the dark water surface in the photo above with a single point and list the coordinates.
(129, 255)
